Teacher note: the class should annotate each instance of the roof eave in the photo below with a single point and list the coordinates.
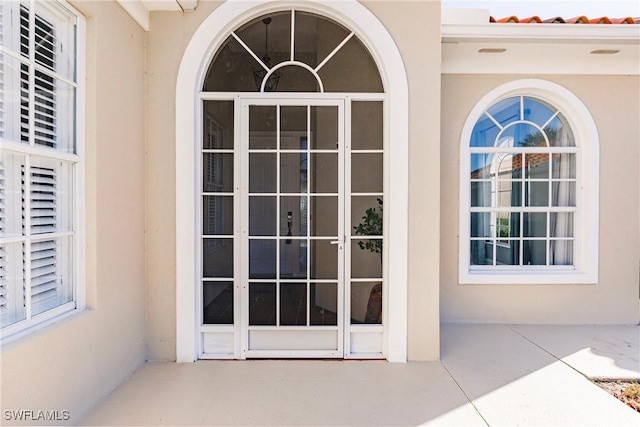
(552, 33)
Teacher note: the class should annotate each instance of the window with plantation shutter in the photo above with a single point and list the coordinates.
(39, 164)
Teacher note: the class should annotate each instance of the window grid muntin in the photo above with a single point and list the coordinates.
(523, 182)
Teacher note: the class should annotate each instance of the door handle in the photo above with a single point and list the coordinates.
(334, 242)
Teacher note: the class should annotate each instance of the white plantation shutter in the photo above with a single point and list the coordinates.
(44, 275)
(44, 108)
(43, 200)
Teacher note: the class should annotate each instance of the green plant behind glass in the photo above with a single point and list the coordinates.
(371, 225)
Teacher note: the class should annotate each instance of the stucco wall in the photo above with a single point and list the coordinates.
(87, 355)
(613, 102)
(169, 35)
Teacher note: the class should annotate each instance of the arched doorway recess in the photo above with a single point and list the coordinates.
(270, 260)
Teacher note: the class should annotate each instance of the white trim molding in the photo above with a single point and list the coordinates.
(139, 9)
(472, 45)
(586, 246)
(206, 40)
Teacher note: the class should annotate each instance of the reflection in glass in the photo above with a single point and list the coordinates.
(262, 127)
(366, 302)
(324, 173)
(262, 259)
(366, 262)
(351, 69)
(366, 173)
(262, 216)
(366, 125)
(293, 170)
(293, 304)
(217, 258)
(262, 304)
(293, 216)
(324, 127)
(262, 173)
(217, 132)
(217, 215)
(217, 303)
(324, 216)
(324, 304)
(293, 259)
(217, 173)
(324, 260)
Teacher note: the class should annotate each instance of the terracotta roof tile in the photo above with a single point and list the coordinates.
(531, 20)
(560, 20)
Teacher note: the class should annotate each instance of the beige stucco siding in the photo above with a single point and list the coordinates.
(73, 364)
(613, 102)
(415, 27)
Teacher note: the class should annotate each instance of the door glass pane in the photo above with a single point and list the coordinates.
(324, 173)
(293, 259)
(217, 173)
(293, 216)
(262, 259)
(217, 258)
(366, 216)
(324, 216)
(366, 258)
(217, 303)
(262, 304)
(262, 127)
(366, 173)
(324, 259)
(366, 302)
(293, 172)
(293, 304)
(262, 216)
(262, 173)
(324, 128)
(217, 130)
(324, 304)
(366, 125)
(293, 125)
(217, 215)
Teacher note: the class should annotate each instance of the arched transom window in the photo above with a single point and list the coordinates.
(293, 51)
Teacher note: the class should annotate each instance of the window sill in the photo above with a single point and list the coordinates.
(14, 332)
(528, 277)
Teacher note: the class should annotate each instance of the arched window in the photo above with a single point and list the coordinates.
(293, 51)
(527, 191)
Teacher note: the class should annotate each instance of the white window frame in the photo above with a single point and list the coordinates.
(76, 160)
(585, 269)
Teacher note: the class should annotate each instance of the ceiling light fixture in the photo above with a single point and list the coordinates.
(491, 50)
(604, 51)
(260, 73)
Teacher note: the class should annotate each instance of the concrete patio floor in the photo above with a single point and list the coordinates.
(495, 375)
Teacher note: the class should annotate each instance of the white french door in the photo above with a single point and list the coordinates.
(292, 228)
(292, 203)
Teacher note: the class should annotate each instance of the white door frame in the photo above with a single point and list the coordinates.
(206, 40)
